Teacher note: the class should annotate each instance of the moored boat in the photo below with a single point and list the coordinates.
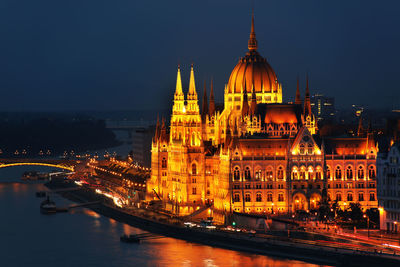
(48, 206)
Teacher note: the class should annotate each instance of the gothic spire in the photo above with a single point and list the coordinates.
(192, 86)
(252, 44)
(307, 101)
(297, 101)
(163, 134)
(212, 103)
(178, 90)
(204, 108)
(157, 134)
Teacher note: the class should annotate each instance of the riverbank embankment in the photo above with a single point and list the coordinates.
(277, 247)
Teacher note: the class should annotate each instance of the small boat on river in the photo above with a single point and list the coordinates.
(48, 206)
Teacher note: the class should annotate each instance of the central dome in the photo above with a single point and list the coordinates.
(252, 71)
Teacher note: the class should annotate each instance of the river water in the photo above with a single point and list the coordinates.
(84, 238)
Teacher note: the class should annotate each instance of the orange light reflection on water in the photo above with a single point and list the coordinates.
(174, 252)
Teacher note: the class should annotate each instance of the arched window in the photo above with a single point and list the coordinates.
(258, 175)
(247, 197)
(258, 197)
(280, 173)
(349, 172)
(361, 196)
(338, 197)
(247, 174)
(236, 173)
(371, 196)
(194, 169)
(280, 197)
(309, 149)
(371, 172)
(360, 172)
(338, 173)
(318, 173)
(269, 197)
(164, 163)
(295, 175)
(302, 149)
(328, 173)
(269, 174)
(310, 173)
(349, 196)
(302, 173)
(236, 198)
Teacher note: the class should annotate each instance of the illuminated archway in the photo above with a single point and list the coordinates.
(315, 200)
(60, 166)
(299, 202)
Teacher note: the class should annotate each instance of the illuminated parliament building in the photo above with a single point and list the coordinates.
(257, 154)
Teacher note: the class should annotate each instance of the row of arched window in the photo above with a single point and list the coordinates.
(302, 173)
(259, 198)
(258, 174)
(349, 173)
(350, 197)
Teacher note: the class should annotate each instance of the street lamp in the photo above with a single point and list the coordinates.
(365, 216)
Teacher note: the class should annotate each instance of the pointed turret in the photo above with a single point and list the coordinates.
(253, 106)
(252, 44)
(157, 133)
(163, 134)
(204, 108)
(297, 100)
(192, 94)
(245, 105)
(212, 103)
(179, 97)
(192, 105)
(178, 90)
(307, 101)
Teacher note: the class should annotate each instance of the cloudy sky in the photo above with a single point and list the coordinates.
(123, 54)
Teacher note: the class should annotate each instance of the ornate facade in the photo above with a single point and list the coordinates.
(257, 154)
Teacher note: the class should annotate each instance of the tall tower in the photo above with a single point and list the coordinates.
(308, 116)
(179, 97)
(192, 101)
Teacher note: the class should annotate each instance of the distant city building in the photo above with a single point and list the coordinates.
(388, 188)
(323, 107)
(141, 145)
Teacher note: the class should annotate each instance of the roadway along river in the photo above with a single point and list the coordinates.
(84, 238)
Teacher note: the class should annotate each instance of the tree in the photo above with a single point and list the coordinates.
(356, 213)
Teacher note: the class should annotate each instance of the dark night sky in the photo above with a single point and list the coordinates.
(101, 54)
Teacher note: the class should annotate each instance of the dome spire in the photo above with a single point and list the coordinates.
(252, 44)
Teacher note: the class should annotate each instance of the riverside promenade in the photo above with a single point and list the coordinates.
(331, 252)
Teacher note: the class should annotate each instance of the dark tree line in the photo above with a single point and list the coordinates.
(57, 135)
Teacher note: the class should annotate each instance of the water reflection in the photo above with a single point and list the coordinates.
(174, 252)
